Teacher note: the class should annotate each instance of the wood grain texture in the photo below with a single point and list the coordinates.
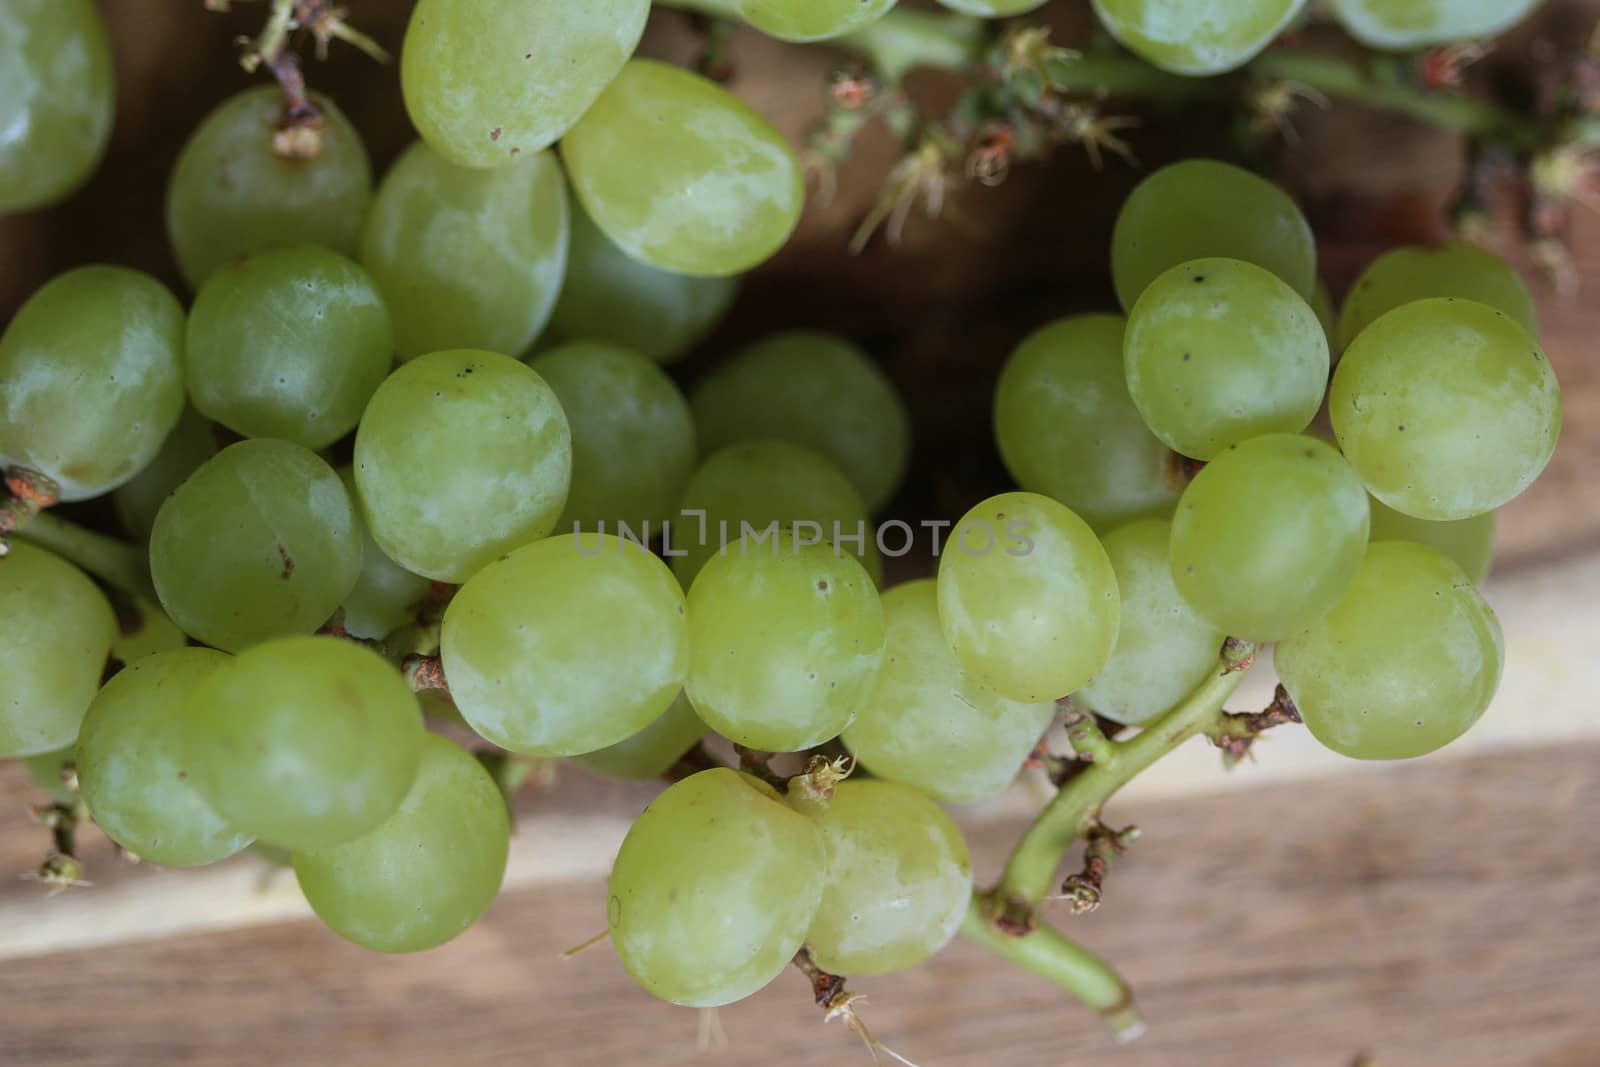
(1436, 914)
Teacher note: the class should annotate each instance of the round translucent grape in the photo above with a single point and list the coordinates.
(993, 9)
(489, 81)
(428, 871)
(817, 390)
(567, 645)
(461, 457)
(303, 742)
(651, 752)
(91, 378)
(1419, 272)
(260, 542)
(57, 99)
(714, 889)
(721, 190)
(1203, 38)
(288, 342)
(233, 192)
(811, 20)
(132, 766)
(1067, 427)
(143, 629)
(1201, 208)
(1447, 408)
(1406, 25)
(55, 772)
(1268, 536)
(899, 880)
(786, 642)
(1164, 647)
(1219, 351)
(633, 437)
(1027, 597)
(52, 651)
(386, 595)
(757, 485)
(929, 723)
(610, 296)
(192, 441)
(1469, 542)
(1405, 664)
(467, 258)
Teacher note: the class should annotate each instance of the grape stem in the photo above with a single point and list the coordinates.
(25, 494)
(1236, 734)
(116, 562)
(1069, 965)
(1012, 905)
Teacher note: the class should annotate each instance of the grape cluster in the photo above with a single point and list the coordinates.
(536, 517)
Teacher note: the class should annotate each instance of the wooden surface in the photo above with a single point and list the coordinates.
(1442, 915)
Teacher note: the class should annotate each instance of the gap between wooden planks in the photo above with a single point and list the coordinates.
(571, 832)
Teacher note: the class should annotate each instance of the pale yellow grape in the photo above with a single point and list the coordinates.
(786, 642)
(53, 649)
(490, 81)
(929, 723)
(566, 645)
(899, 880)
(714, 888)
(1027, 597)
(1418, 272)
(1404, 25)
(1469, 542)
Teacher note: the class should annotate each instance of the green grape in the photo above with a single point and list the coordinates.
(467, 258)
(91, 378)
(191, 442)
(786, 642)
(1418, 272)
(1327, 312)
(303, 742)
(817, 390)
(288, 342)
(1406, 25)
(386, 595)
(1197, 38)
(1200, 208)
(1164, 647)
(929, 723)
(1404, 664)
(567, 645)
(53, 649)
(633, 437)
(260, 542)
(428, 871)
(1027, 597)
(681, 174)
(461, 457)
(763, 484)
(232, 191)
(651, 752)
(610, 296)
(1067, 427)
(1446, 408)
(714, 888)
(811, 20)
(1219, 351)
(144, 631)
(132, 769)
(1469, 542)
(899, 880)
(993, 9)
(57, 99)
(55, 772)
(486, 81)
(1268, 536)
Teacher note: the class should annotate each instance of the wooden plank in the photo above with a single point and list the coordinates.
(1439, 914)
